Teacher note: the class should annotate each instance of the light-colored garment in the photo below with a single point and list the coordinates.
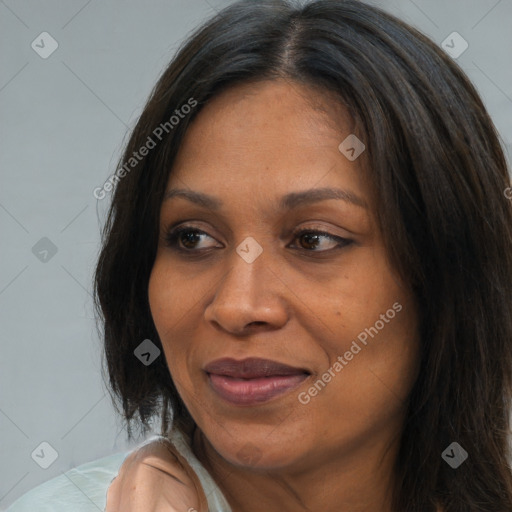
(84, 488)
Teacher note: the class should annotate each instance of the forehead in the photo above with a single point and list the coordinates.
(276, 135)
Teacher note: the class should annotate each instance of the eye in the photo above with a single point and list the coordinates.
(185, 238)
(310, 240)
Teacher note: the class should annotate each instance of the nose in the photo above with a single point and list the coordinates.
(248, 297)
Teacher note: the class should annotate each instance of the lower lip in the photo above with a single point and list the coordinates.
(254, 391)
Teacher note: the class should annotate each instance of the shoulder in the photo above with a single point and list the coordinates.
(81, 489)
(153, 477)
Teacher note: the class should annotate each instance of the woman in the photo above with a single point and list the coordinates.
(306, 273)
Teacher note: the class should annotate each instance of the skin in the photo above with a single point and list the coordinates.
(299, 303)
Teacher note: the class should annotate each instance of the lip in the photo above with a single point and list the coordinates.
(253, 380)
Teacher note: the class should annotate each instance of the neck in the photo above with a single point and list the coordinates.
(359, 481)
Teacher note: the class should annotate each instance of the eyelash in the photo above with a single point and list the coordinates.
(172, 239)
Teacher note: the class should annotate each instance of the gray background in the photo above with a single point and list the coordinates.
(64, 119)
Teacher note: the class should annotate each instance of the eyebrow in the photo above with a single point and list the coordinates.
(287, 202)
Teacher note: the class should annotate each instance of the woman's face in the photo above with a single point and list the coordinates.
(242, 283)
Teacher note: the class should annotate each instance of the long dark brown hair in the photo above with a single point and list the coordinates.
(434, 161)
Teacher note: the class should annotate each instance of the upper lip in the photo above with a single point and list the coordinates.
(251, 368)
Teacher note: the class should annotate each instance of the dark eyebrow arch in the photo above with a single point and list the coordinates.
(287, 202)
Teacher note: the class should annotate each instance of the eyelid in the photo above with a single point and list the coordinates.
(185, 224)
(172, 233)
(340, 241)
(316, 226)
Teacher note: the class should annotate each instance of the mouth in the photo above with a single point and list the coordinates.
(252, 381)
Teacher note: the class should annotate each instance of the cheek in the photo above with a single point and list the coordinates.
(159, 297)
(366, 392)
(353, 299)
(173, 295)
(373, 328)
(376, 364)
(169, 305)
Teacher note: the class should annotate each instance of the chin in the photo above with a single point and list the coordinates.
(259, 454)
